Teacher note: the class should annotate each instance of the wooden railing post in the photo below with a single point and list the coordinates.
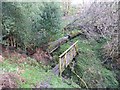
(60, 65)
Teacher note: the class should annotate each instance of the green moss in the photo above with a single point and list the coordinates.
(109, 79)
(34, 74)
(89, 67)
(57, 82)
(8, 67)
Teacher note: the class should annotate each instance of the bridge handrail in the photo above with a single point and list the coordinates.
(68, 49)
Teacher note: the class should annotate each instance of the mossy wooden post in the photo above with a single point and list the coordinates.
(66, 57)
(60, 66)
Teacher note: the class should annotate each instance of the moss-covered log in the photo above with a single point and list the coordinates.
(52, 46)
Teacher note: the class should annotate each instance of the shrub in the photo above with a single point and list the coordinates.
(31, 24)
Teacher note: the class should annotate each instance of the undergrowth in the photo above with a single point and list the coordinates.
(88, 70)
(33, 73)
(88, 66)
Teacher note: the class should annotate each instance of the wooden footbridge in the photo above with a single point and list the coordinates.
(65, 59)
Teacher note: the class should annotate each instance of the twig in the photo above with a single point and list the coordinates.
(80, 78)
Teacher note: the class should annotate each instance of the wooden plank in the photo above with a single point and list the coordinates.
(54, 49)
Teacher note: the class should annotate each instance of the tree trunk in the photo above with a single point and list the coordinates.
(52, 46)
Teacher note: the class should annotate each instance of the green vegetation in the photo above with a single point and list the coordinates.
(31, 24)
(89, 67)
(34, 74)
(91, 70)
(34, 25)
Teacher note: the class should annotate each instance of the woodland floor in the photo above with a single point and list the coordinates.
(25, 72)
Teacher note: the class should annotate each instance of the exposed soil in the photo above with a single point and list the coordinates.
(10, 80)
(42, 56)
(39, 54)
